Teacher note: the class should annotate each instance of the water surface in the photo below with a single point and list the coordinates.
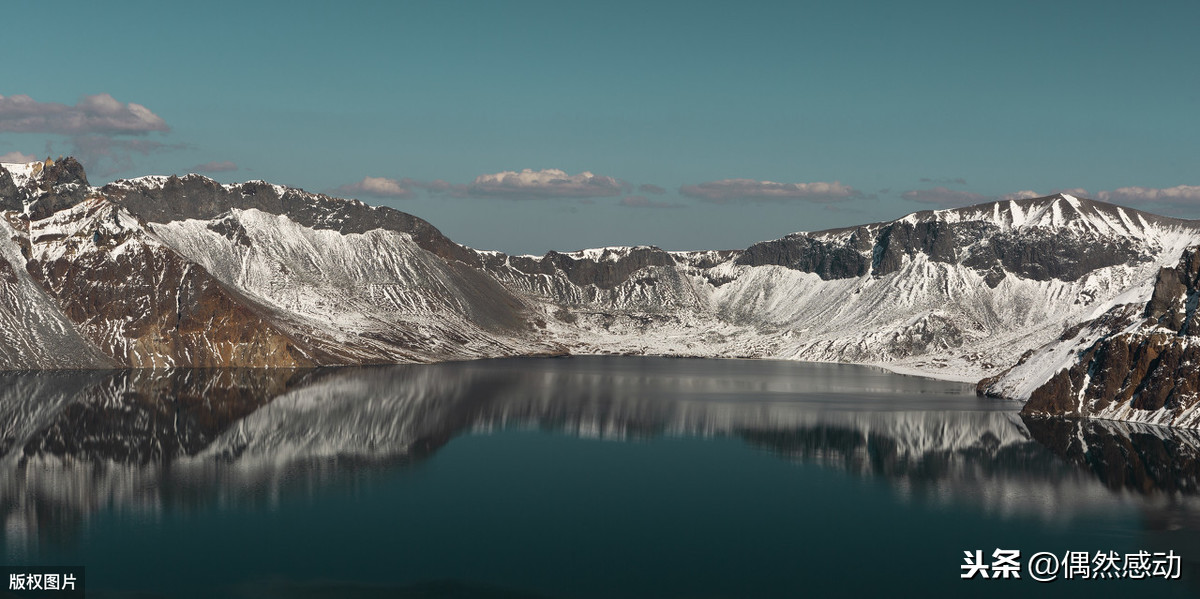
(581, 477)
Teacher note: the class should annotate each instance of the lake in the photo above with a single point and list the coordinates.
(580, 477)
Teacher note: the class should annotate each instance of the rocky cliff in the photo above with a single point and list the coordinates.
(1136, 365)
(164, 272)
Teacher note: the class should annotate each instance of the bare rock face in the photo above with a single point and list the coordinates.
(827, 259)
(1144, 372)
(1050, 254)
(608, 270)
(10, 196)
(1148, 371)
(60, 185)
(1173, 304)
(144, 305)
(904, 239)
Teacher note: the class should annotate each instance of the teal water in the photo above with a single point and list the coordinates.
(599, 477)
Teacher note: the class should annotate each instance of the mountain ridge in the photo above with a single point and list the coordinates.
(168, 271)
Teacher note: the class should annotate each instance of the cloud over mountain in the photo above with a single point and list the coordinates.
(546, 183)
(1178, 195)
(1024, 194)
(380, 187)
(97, 128)
(750, 190)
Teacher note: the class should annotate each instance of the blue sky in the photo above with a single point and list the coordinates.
(858, 111)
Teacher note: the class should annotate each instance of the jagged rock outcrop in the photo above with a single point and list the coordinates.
(1144, 368)
(826, 259)
(10, 198)
(58, 186)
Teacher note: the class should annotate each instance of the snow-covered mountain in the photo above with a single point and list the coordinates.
(162, 272)
(184, 271)
(954, 294)
(1138, 361)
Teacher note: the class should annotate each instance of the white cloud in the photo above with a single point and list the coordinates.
(732, 190)
(546, 183)
(380, 187)
(1024, 194)
(95, 114)
(1180, 195)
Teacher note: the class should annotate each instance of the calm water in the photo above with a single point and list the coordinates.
(582, 477)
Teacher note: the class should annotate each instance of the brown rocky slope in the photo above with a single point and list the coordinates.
(1144, 367)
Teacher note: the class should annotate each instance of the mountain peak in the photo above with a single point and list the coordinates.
(1058, 211)
(46, 173)
(23, 172)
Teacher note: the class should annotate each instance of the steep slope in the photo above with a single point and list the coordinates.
(1130, 364)
(955, 293)
(966, 290)
(322, 282)
(141, 303)
(34, 333)
(378, 292)
(381, 285)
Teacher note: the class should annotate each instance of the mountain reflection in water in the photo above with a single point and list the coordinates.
(74, 443)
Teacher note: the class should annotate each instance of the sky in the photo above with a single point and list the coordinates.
(531, 126)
